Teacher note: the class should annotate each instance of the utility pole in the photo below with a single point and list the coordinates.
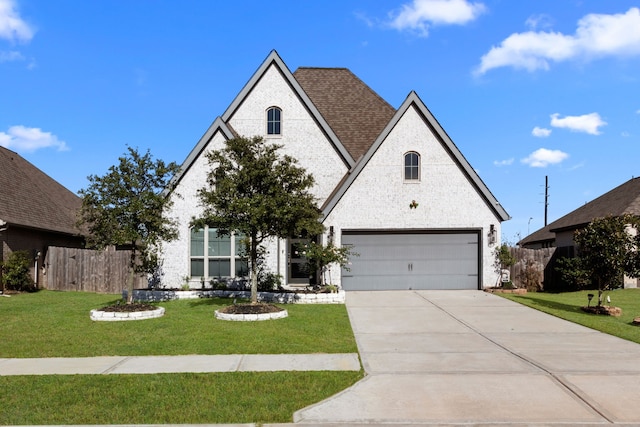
(546, 198)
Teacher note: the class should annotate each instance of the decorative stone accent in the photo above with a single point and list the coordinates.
(275, 297)
(117, 316)
(251, 317)
(636, 321)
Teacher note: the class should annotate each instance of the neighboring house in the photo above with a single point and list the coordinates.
(35, 211)
(390, 182)
(624, 199)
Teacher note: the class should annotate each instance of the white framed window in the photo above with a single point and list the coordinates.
(412, 166)
(274, 121)
(213, 255)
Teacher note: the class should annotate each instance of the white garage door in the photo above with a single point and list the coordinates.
(425, 260)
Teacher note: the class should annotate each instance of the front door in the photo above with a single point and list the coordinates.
(298, 269)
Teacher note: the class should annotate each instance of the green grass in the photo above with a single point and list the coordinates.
(567, 306)
(57, 324)
(239, 397)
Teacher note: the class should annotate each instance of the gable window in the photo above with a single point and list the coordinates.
(412, 166)
(274, 117)
(214, 255)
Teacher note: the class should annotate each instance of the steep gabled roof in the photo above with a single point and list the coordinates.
(414, 101)
(354, 111)
(274, 60)
(624, 199)
(30, 198)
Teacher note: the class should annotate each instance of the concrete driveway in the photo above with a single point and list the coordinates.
(461, 357)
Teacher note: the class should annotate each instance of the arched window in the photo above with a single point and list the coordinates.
(274, 121)
(412, 166)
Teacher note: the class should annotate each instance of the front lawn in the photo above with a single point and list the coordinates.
(567, 306)
(224, 398)
(57, 324)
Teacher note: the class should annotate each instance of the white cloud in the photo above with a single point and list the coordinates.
(540, 132)
(21, 138)
(542, 157)
(597, 35)
(506, 162)
(12, 27)
(421, 14)
(538, 21)
(588, 123)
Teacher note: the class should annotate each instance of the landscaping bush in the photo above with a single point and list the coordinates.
(15, 272)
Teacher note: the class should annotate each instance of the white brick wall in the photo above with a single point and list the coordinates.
(301, 138)
(379, 198)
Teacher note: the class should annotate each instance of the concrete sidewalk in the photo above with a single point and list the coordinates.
(469, 357)
(179, 364)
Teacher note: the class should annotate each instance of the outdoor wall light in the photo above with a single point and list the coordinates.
(493, 234)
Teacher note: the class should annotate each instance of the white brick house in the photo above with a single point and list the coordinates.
(389, 182)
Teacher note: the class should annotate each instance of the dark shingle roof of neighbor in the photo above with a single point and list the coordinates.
(624, 199)
(354, 111)
(30, 198)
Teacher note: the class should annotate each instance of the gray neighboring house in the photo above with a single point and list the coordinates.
(35, 212)
(624, 199)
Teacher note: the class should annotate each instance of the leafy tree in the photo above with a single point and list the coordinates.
(254, 190)
(127, 207)
(320, 257)
(607, 250)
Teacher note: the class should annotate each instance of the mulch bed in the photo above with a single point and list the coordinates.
(604, 310)
(129, 308)
(259, 308)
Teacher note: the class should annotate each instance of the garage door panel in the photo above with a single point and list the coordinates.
(412, 261)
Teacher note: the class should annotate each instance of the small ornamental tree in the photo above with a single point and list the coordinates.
(607, 250)
(320, 258)
(127, 207)
(254, 190)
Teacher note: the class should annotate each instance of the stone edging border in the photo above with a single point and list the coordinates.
(116, 316)
(274, 297)
(251, 317)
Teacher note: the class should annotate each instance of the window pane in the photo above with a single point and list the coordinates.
(218, 245)
(242, 268)
(197, 267)
(240, 248)
(273, 121)
(219, 268)
(197, 242)
(411, 166)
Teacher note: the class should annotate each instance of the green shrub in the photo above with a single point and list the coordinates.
(15, 272)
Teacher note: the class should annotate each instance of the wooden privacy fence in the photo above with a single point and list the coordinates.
(543, 260)
(70, 269)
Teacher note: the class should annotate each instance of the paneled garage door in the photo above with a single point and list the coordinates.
(416, 260)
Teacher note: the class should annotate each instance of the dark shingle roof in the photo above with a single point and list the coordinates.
(30, 198)
(624, 199)
(354, 111)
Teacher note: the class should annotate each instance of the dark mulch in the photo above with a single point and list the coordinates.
(603, 309)
(129, 308)
(259, 308)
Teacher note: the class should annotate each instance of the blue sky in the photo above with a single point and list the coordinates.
(525, 88)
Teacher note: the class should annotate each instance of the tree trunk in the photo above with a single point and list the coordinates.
(132, 270)
(254, 268)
